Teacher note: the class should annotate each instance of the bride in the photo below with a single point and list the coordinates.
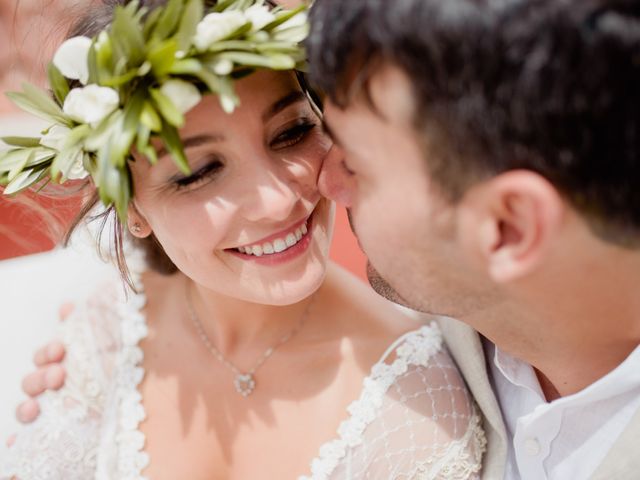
(242, 352)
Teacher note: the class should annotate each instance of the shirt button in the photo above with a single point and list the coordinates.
(532, 447)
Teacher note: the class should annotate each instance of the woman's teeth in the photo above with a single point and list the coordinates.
(276, 246)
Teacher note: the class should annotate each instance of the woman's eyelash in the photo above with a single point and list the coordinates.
(208, 170)
(293, 135)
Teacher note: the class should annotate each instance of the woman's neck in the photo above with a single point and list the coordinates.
(233, 324)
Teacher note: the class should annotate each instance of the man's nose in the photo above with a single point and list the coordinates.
(334, 181)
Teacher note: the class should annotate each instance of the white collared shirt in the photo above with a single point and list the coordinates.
(569, 437)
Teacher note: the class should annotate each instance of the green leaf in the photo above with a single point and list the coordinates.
(162, 57)
(191, 16)
(151, 22)
(24, 180)
(21, 141)
(150, 118)
(276, 61)
(293, 34)
(77, 135)
(232, 45)
(187, 66)
(173, 144)
(64, 161)
(37, 102)
(58, 83)
(284, 16)
(222, 5)
(122, 138)
(166, 108)
(9, 160)
(120, 80)
(20, 165)
(168, 21)
(103, 56)
(96, 74)
(127, 36)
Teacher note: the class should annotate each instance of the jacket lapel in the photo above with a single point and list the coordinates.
(465, 347)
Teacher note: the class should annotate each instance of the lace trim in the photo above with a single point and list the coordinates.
(416, 348)
(131, 457)
(466, 464)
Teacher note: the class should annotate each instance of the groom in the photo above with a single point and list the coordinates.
(489, 154)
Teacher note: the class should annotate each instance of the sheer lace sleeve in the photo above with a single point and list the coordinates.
(415, 419)
(63, 443)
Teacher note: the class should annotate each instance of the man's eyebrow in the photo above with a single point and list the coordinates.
(284, 102)
(330, 133)
(194, 141)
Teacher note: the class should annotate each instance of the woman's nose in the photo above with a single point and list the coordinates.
(334, 181)
(274, 197)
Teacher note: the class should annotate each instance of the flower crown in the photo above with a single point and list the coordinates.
(135, 81)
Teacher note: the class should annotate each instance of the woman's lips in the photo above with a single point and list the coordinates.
(280, 247)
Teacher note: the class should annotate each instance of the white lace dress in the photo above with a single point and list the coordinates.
(414, 418)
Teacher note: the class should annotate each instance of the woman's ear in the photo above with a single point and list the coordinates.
(137, 223)
(515, 218)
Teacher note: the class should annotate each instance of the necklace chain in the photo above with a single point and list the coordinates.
(244, 382)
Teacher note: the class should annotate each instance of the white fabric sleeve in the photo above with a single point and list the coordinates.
(62, 443)
(415, 419)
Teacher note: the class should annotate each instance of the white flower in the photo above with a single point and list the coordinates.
(259, 16)
(56, 137)
(76, 171)
(91, 104)
(183, 95)
(217, 26)
(72, 58)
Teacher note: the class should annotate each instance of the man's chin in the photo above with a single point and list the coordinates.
(382, 287)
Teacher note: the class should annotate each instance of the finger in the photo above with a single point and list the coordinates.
(52, 352)
(28, 411)
(54, 377)
(34, 383)
(65, 310)
(11, 440)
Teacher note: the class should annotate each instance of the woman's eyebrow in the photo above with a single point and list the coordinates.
(194, 141)
(282, 103)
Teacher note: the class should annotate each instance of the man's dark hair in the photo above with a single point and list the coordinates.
(551, 86)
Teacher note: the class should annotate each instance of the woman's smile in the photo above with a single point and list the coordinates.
(281, 247)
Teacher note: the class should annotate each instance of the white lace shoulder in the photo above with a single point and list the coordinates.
(415, 419)
(89, 428)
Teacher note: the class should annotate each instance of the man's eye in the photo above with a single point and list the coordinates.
(293, 135)
(207, 172)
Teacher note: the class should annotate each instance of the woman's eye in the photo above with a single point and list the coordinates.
(207, 172)
(293, 135)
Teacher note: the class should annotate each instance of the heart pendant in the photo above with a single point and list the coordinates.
(244, 384)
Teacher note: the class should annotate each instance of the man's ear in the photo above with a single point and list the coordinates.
(510, 221)
(137, 223)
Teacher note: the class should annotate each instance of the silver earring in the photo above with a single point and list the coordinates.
(136, 228)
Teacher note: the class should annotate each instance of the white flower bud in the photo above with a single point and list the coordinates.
(72, 58)
(56, 137)
(217, 26)
(259, 16)
(77, 170)
(91, 104)
(183, 95)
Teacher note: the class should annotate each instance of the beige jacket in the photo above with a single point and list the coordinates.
(621, 463)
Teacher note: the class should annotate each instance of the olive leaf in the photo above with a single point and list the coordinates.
(24, 180)
(166, 108)
(58, 83)
(37, 102)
